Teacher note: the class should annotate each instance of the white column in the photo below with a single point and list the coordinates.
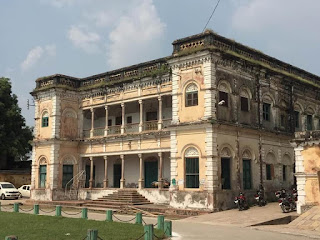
(105, 181)
(160, 113)
(160, 180)
(141, 116)
(92, 122)
(141, 179)
(123, 115)
(106, 126)
(91, 173)
(122, 180)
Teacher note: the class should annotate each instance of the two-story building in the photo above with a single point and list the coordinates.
(214, 118)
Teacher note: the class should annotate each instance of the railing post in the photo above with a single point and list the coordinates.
(168, 228)
(160, 222)
(11, 238)
(84, 213)
(58, 211)
(16, 207)
(109, 216)
(139, 218)
(92, 234)
(148, 230)
(36, 209)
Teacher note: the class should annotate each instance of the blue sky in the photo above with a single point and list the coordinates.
(86, 37)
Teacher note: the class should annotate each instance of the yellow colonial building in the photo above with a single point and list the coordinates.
(214, 118)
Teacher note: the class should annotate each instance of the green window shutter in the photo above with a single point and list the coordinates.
(42, 176)
(247, 174)
(192, 172)
(67, 174)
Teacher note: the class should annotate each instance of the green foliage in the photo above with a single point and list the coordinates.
(28, 226)
(15, 136)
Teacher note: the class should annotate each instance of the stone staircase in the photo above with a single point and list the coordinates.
(118, 199)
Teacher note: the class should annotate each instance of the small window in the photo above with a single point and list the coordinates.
(284, 173)
(24, 187)
(266, 111)
(309, 122)
(191, 95)
(109, 122)
(269, 171)
(244, 104)
(42, 176)
(129, 119)
(45, 119)
(223, 96)
(296, 119)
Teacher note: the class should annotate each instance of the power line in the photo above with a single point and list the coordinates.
(211, 15)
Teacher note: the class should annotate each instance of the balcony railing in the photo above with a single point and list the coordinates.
(98, 132)
(114, 129)
(131, 127)
(150, 125)
(128, 128)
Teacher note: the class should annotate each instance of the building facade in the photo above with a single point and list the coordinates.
(214, 118)
(307, 151)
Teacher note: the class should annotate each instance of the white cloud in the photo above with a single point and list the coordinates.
(102, 18)
(283, 27)
(51, 49)
(136, 36)
(81, 38)
(60, 3)
(35, 54)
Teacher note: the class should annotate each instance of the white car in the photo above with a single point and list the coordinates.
(24, 190)
(8, 190)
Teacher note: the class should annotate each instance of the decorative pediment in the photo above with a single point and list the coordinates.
(191, 152)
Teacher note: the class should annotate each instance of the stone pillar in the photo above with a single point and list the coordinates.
(122, 180)
(141, 178)
(123, 115)
(141, 116)
(160, 113)
(91, 173)
(106, 126)
(160, 180)
(105, 181)
(92, 122)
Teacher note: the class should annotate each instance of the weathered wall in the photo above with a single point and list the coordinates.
(17, 179)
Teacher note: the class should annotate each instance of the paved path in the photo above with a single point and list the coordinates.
(216, 226)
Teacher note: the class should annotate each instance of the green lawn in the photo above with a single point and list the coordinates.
(28, 226)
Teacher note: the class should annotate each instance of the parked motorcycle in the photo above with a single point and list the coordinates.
(286, 201)
(241, 202)
(259, 196)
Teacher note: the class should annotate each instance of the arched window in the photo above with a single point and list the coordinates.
(266, 108)
(67, 171)
(42, 172)
(224, 90)
(225, 168)
(192, 167)
(244, 101)
(246, 169)
(45, 119)
(191, 95)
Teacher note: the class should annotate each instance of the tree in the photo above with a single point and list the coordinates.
(15, 136)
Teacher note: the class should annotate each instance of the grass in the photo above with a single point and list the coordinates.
(28, 226)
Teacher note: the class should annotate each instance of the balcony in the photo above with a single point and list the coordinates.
(146, 115)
